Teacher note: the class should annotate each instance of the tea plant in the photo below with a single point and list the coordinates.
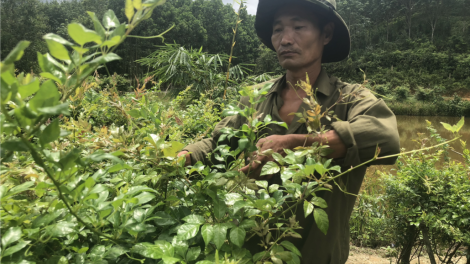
(430, 202)
(120, 194)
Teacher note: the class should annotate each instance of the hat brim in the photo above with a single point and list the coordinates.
(339, 46)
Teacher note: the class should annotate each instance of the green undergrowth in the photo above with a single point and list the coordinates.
(422, 205)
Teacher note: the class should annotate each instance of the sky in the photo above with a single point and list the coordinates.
(251, 5)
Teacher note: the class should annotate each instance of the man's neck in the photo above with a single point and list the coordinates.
(294, 77)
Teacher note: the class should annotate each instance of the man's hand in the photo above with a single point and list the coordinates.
(277, 143)
(188, 158)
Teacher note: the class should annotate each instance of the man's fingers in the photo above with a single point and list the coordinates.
(252, 166)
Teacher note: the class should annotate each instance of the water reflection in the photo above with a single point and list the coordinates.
(410, 126)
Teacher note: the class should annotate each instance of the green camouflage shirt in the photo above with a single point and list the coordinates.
(366, 123)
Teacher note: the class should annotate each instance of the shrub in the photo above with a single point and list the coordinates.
(426, 95)
(402, 93)
(116, 81)
(428, 200)
(383, 89)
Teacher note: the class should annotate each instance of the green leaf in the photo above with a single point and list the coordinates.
(97, 25)
(289, 246)
(237, 236)
(50, 133)
(173, 149)
(19, 188)
(82, 35)
(118, 167)
(460, 124)
(55, 110)
(119, 31)
(15, 248)
(58, 50)
(137, 4)
(238, 205)
(262, 184)
(28, 89)
(207, 232)
(194, 219)
(16, 53)
(448, 127)
(187, 231)
(308, 208)
(193, 254)
(219, 208)
(220, 233)
(106, 58)
(14, 145)
(112, 42)
(110, 20)
(295, 259)
(320, 202)
(247, 223)
(3, 190)
(278, 157)
(321, 219)
(273, 188)
(149, 250)
(57, 38)
(48, 95)
(284, 255)
(60, 229)
(243, 143)
(270, 168)
(129, 10)
(12, 235)
(170, 260)
(258, 256)
(50, 68)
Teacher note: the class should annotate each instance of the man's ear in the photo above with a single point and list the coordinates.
(328, 30)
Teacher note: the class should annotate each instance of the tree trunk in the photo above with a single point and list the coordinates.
(432, 34)
(387, 29)
(405, 255)
(427, 243)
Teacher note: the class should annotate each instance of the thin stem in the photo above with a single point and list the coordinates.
(231, 48)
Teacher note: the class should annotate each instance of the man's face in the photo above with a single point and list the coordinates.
(297, 39)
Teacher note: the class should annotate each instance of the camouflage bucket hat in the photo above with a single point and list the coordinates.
(336, 50)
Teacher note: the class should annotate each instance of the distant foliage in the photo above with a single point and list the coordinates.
(178, 68)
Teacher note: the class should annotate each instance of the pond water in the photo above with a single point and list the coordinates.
(410, 126)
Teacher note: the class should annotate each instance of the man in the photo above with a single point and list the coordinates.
(305, 33)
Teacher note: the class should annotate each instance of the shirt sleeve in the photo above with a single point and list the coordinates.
(370, 125)
(200, 150)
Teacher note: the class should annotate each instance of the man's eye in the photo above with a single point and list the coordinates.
(299, 27)
(277, 30)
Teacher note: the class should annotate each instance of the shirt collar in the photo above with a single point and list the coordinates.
(322, 83)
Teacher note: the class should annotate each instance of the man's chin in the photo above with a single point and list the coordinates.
(290, 65)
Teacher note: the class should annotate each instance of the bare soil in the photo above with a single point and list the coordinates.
(359, 255)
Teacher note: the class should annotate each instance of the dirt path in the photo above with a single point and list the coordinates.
(379, 256)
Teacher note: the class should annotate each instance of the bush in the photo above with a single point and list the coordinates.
(402, 93)
(116, 81)
(383, 89)
(429, 201)
(426, 95)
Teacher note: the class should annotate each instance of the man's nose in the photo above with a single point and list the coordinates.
(287, 37)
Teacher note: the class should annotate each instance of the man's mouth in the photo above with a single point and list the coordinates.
(287, 53)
